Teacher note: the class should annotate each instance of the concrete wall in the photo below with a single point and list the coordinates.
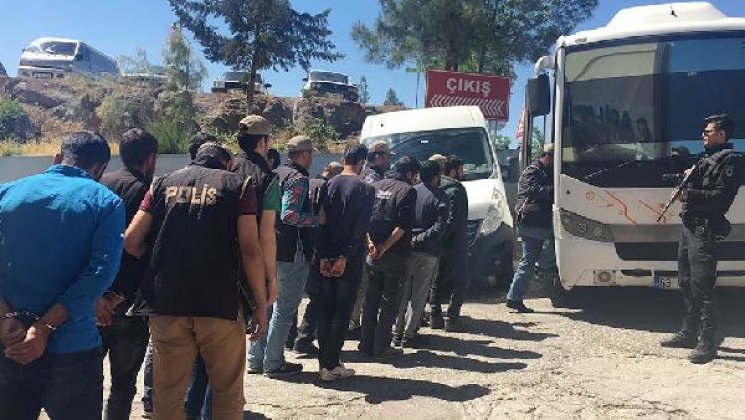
(15, 167)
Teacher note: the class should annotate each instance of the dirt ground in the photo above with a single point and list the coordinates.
(597, 357)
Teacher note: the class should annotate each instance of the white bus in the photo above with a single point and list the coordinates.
(626, 105)
(48, 58)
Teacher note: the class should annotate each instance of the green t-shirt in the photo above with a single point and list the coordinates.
(272, 196)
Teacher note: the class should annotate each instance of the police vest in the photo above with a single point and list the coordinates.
(194, 264)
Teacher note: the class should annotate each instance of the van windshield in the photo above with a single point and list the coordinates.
(470, 144)
(325, 76)
(55, 48)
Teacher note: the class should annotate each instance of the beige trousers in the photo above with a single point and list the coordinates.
(176, 343)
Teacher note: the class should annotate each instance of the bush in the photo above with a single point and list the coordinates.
(172, 135)
(120, 112)
(321, 133)
(15, 123)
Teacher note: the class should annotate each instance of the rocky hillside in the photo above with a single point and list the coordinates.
(56, 107)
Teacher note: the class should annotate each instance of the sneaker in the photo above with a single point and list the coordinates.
(519, 306)
(415, 342)
(424, 322)
(705, 352)
(436, 321)
(681, 340)
(287, 369)
(305, 349)
(387, 353)
(255, 370)
(339, 372)
(455, 324)
(148, 413)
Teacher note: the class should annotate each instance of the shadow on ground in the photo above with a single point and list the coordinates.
(249, 415)
(379, 389)
(641, 308)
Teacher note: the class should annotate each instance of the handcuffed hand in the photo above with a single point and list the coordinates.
(11, 332)
(31, 348)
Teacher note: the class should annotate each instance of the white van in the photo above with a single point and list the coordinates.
(461, 131)
(48, 58)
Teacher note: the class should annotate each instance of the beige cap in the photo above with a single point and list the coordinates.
(441, 159)
(255, 124)
(381, 147)
(299, 144)
(333, 168)
(548, 148)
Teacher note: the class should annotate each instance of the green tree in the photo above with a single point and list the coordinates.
(257, 35)
(184, 70)
(501, 141)
(391, 99)
(363, 90)
(537, 142)
(139, 63)
(472, 35)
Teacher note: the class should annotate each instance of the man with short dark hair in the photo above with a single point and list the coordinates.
(535, 197)
(125, 338)
(267, 355)
(389, 247)
(707, 195)
(451, 284)
(347, 203)
(196, 217)
(60, 250)
(273, 158)
(197, 140)
(378, 163)
(430, 221)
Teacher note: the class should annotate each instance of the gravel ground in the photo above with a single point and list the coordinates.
(596, 357)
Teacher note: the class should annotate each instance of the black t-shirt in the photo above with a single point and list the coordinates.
(394, 206)
(347, 202)
(130, 186)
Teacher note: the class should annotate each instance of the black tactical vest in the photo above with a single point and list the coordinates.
(194, 265)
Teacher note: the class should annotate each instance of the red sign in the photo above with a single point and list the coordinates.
(490, 93)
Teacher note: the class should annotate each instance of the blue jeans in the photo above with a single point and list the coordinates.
(525, 271)
(67, 386)
(147, 381)
(125, 342)
(269, 352)
(196, 403)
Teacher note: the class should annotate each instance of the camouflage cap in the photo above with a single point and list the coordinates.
(255, 124)
(299, 144)
(380, 147)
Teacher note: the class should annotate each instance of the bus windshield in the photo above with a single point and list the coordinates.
(470, 144)
(634, 113)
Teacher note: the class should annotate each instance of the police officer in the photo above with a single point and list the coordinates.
(197, 217)
(711, 188)
(389, 247)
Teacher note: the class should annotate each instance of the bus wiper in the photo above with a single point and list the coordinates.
(622, 165)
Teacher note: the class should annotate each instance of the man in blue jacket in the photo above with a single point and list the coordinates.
(60, 249)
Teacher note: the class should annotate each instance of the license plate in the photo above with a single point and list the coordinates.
(662, 282)
(43, 75)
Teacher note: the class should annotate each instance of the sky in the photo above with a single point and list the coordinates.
(119, 27)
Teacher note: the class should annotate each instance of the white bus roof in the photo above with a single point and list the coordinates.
(49, 38)
(426, 119)
(662, 19)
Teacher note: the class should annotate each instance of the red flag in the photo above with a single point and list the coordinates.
(520, 127)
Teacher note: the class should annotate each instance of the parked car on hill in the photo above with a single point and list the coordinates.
(330, 85)
(237, 80)
(48, 58)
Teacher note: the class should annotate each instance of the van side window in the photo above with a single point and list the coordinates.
(83, 53)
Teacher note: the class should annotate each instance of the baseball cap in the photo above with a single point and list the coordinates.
(299, 144)
(441, 159)
(255, 124)
(381, 147)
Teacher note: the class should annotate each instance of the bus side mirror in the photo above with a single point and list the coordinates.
(539, 95)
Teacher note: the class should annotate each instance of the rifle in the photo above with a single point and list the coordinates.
(676, 193)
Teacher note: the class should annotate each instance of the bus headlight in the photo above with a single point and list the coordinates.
(585, 228)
